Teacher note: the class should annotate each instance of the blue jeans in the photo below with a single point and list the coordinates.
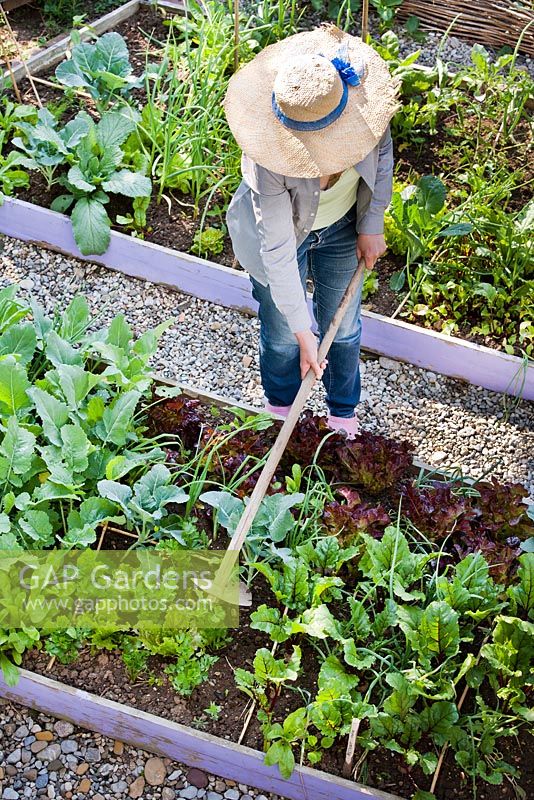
(329, 256)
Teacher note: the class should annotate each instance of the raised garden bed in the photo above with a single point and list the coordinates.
(218, 282)
(377, 586)
(229, 287)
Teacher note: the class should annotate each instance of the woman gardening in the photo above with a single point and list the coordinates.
(311, 115)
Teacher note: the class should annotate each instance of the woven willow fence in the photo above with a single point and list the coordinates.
(493, 22)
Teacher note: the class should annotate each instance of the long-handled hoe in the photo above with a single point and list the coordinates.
(224, 572)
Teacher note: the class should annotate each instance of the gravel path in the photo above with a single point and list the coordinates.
(48, 758)
(451, 423)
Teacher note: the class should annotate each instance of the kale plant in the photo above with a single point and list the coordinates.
(96, 170)
(102, 69)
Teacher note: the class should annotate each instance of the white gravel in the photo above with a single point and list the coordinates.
(51, 759)
(451, 423)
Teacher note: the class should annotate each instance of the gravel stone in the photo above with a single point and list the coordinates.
(197, 777)
(155, 771)
(41, 781)
(69, 746)
(93, 755)
(51, 753)
(188, 793)
(137, 787)
(14, 757)
(10, 794)
(63, 728)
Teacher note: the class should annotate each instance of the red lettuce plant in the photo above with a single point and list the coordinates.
(347, 520)
(374, 462)
(308, 435)
(180, 416)
(436, 510)
(493, 522)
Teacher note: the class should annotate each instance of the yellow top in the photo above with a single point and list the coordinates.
(337, 200)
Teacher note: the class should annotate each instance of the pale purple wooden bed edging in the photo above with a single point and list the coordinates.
(447, 355)
(178, 742)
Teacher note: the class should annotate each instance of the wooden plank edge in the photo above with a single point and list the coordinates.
(179, 742)
(52, 54)
(425, 348)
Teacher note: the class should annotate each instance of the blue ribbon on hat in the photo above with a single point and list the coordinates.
(349, 76)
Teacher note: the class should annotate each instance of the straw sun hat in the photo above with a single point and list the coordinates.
(313, 104)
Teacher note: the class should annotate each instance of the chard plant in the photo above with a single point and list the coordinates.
(399, 654)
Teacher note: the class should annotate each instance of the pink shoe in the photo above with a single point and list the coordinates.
(282, 411)
(347, 425)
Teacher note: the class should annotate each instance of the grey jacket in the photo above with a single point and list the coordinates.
(270, 215)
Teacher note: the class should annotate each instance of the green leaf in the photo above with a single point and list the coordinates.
(76, 384)
(402, 699)
(36, 525)
(152, 492)
(96, 510)
(19, 340)
(439, 633)
(280, 753)
(274, 515)
(229, 508)
(69, 74)
(290, 585)
(76, 448)
(130, 184)
(522, 594)
(268, 669)
(460, 229)
(333, 680)
(53, 413)
(80, 181)
(438, 719)
(41, 323)
(113, 129)
(75, 319)
(62, 203)
(59, 351)
(356, 658)
(271, 622)
(14, 385)
(319, 623)
(91, 226)
(80, 537)
(119, 466)
(11, 310)
(112, 53)
(119, 333)
(512, 649)
(18, 448)
(430, 193)
(116, 492)
(9, 670)
(76, 129)
(117, 420)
